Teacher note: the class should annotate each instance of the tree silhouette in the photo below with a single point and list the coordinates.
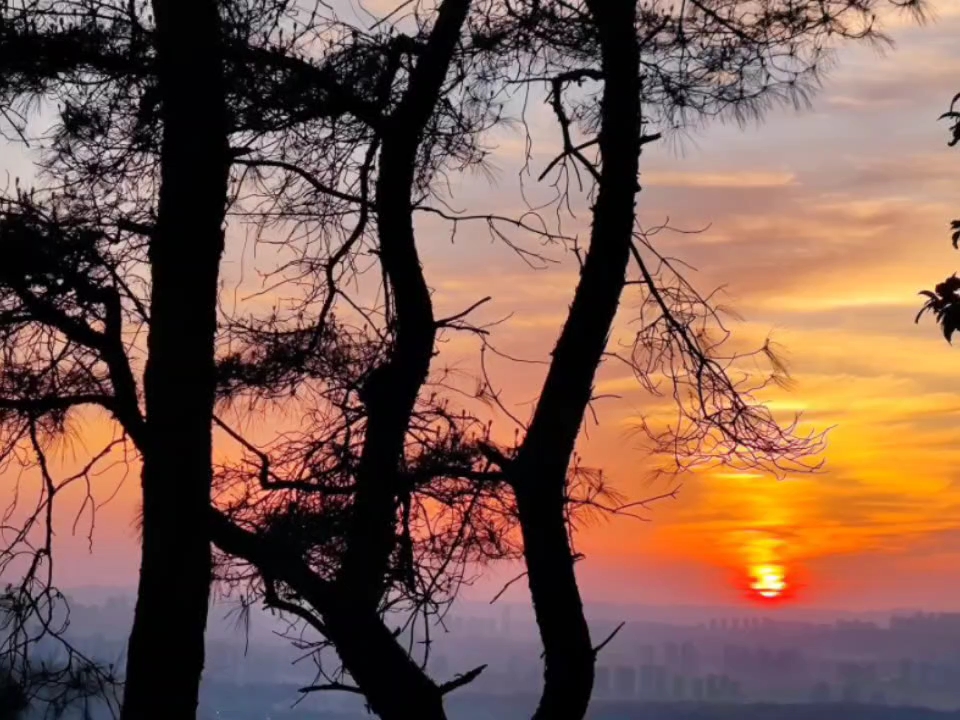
(943, 302)
(687, 76)
(40, 670)
(179, 377)
(12, 699)
(337, 134)
(65, 293)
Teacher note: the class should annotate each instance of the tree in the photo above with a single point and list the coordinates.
(718, 59)
(79, 320)
(338, 135)
(12, 702)
(179, 379)
(40, 670)
(740, 78)
(943, 302)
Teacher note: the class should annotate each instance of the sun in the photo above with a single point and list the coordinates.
(768, 582)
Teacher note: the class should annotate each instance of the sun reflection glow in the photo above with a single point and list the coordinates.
(768, 581)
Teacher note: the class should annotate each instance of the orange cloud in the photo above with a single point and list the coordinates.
(822, 226)
(742, 179)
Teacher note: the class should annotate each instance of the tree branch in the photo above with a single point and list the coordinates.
(463, 679)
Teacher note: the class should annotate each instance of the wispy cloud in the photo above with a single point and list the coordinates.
(822, 226)
(745, 179)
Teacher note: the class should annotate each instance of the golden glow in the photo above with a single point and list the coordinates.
(809, 242)
(768, 581)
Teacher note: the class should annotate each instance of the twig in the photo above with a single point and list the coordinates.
(611, 636)
(507, 586)
(335, 686)
(460, 680)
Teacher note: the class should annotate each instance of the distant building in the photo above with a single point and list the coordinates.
(820, 693)
(672, 655)
(660, 690)
(601, 682)
(906, 672)
(625, 682)
(648, 682)
(697, 689)
(647, 654)
(712, 688)
(851, 693)
(689, 659)
(729, 689)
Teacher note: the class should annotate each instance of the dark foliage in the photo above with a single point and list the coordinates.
(943, 302)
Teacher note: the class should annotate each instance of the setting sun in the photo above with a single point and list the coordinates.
(768, 581)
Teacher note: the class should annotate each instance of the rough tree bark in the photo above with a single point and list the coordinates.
(392, 390)
(166, 649)
(539, 472)
(393, 684)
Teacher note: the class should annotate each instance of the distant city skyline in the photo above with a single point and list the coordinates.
(890, 661)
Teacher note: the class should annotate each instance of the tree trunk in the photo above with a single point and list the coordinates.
(540, 470)
(395, 687)
(391, 394)
(393, 684)
(567, 647)
(166, 648)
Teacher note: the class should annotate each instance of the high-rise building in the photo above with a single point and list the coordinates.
(689, 659)
(660, 690)
(647, 654)
(679, 688)
(712, 689)
(697, 689)
(625, 682)
(672, 655)
(648, 682)
(601, 682)
(820, 693)
(905, 674)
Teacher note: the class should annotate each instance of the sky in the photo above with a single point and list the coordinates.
(822, 225)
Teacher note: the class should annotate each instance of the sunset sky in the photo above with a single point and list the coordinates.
(823, 225)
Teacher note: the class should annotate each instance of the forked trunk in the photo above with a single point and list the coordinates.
(395, 687)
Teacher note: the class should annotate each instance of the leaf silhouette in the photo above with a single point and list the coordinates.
(944, 302)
